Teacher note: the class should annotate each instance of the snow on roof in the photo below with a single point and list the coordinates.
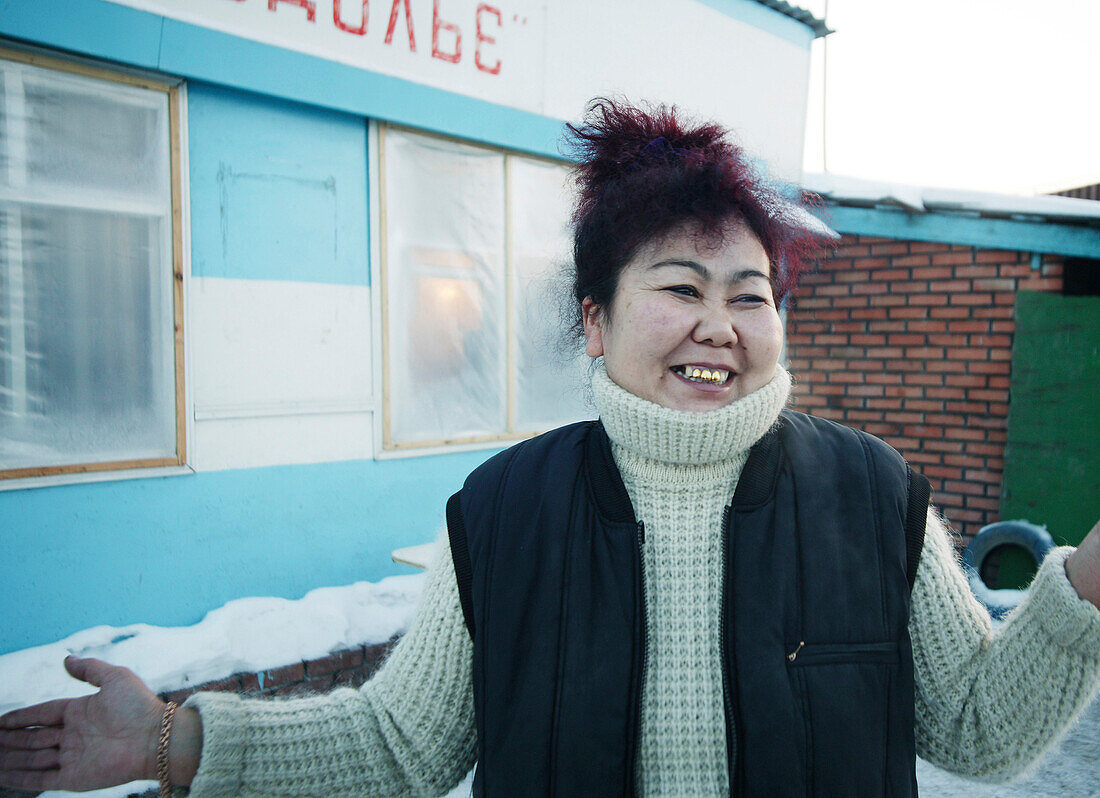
(801, 14)
(858, 192)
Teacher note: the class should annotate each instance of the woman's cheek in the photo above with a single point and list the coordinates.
(768, 337)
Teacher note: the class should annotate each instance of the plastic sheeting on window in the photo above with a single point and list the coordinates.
(87, 365)
(452, 375)
(551, 377)
(445, 289)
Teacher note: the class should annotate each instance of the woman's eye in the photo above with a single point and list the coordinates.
(749, 299)
(684, 290)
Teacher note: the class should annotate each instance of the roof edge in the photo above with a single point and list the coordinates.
(815, 24)
(916, 199)
(1051, 225)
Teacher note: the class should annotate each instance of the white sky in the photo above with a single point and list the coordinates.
(997, 95)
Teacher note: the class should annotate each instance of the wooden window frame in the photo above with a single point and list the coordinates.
(172, 94)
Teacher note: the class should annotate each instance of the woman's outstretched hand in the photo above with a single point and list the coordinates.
(1083, 567)
(100, 740)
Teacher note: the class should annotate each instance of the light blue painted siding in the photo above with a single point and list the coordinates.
(140, 39)
(91, 27)
(278, 189)
(167, 550)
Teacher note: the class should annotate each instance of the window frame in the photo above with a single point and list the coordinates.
(388, 446)
(174, 92)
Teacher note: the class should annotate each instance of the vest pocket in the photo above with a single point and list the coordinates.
(803, 654)
(846, 693)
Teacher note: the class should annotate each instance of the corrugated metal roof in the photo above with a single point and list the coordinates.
(801, 14)
(857, 192)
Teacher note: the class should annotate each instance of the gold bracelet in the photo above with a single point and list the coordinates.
(162, 749)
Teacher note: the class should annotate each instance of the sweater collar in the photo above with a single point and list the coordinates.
(678, 436)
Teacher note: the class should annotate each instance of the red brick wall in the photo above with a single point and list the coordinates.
(349, 668)
(912, 342)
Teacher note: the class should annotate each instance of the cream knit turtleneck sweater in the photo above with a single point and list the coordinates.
(680, 470)
(987, 703)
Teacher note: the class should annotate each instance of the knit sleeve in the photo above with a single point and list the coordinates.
(990, 701)
(408, 731)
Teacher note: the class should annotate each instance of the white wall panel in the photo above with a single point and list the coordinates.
(554, 56)
(282, 440)
(281, 372)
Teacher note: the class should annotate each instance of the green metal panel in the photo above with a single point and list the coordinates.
(1052, 461)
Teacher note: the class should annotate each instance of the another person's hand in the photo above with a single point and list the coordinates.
(100, 740)
(1083, 567)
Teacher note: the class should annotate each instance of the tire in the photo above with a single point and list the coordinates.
(1033, 539)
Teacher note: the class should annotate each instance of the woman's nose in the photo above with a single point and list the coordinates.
(715, 327)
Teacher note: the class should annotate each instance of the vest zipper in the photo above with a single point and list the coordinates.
(723, 634)
(645, 661)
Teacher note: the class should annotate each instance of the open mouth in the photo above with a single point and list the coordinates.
(709, 376)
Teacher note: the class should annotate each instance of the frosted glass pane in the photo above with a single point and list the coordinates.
(87, 133)
(444, 206)
(87, 361)
(552, 381)
(89, 377)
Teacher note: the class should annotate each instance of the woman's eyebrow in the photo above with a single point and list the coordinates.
(704, 272)
(695, 266)
(746, 274)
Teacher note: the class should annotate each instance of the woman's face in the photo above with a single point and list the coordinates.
(693, 326)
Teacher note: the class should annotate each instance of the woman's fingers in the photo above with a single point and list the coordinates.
(48, 714)
(31, 780)
(92, 671)
(46, 759)
(30, 739)
(31, 770)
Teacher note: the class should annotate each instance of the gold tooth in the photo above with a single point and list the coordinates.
(714, 376)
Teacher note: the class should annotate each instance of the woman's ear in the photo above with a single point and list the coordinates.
(593, 327)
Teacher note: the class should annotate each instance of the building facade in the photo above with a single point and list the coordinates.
(274, 272)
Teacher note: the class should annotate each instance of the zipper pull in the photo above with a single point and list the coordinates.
(641, 532)
(791, 657)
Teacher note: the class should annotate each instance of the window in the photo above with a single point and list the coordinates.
(473, 241)
(91, 366)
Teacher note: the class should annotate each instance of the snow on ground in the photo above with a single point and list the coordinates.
(255, 634)
(247, 635)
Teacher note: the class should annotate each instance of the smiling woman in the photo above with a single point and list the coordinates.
(701, 593)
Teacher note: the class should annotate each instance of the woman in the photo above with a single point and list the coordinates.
(701, 594)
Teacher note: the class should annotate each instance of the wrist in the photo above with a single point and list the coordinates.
(152, 738)
(184, 747)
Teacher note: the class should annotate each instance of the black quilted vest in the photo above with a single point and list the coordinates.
(818, 671)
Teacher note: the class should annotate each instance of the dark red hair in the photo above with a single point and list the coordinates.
(643, 172)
